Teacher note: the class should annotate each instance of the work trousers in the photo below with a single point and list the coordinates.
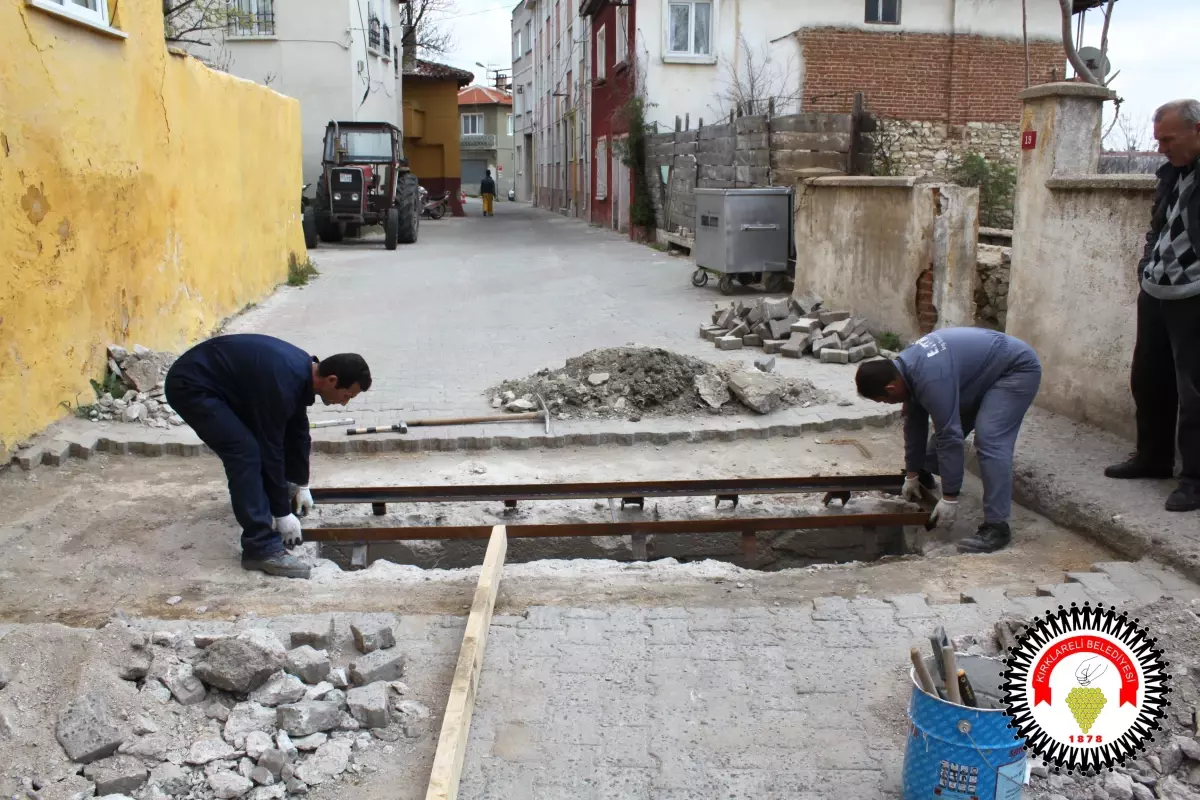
(487, 203)
(219, 427)
(996, 423)
(1166, 382)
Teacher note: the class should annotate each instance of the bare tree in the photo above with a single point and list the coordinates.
(190, 21)
(424, 25)
(756, 83)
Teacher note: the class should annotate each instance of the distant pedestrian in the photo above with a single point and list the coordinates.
(247, 396)
(487, 189)
(963, 379)
(1165, 378)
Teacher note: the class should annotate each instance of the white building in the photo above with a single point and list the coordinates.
(551, 81)
(341, 60)
(523, 99)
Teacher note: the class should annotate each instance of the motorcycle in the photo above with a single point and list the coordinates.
(434, 208)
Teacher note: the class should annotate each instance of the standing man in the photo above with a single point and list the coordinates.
(964, 379)
(1165, 378)
(247, 397)
(487, 189)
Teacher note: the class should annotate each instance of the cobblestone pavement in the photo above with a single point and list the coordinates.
(799, 702)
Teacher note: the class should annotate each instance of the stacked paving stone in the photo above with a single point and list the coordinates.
(273, 722)
(792, 327)
(144, 402)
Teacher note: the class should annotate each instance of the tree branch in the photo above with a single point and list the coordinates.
(1069, 45)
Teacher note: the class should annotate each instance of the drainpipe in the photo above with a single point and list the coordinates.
(953, 64)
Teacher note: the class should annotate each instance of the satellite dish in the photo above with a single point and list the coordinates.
(1096, 62)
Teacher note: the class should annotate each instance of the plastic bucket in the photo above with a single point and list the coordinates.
(961, 753)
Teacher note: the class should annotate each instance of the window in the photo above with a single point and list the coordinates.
(601, 53)
(472, 123)
(689, 29)
(387, 41)
(528, 35)
(884, 12)
(602, 168)
(622, 34)
(93, 11)
(510, 125)
(251, 18)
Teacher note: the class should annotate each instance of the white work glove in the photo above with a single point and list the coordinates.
(301, 497)
(289, 530)
(944, 513)
(912, 489)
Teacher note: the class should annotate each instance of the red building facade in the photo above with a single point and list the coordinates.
(613, 34)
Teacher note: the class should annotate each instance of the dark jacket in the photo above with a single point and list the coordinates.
(269, 386)
(487, 185)
(1168, 174)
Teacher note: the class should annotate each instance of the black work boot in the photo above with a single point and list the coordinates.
(990, 537)
(1136, 468)
(283, 565)
(1185, 498)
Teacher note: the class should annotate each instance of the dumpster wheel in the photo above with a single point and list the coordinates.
(700, 278)
(725, 284)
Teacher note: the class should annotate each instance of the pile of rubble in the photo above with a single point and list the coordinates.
(632, 382)
(140, 374)
(792, 327)
(234, 715)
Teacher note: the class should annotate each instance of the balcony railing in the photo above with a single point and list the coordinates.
(373, 33)
(477, 141)
(387, 41)
(250, 18)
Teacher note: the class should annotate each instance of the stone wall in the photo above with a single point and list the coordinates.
(993, 263)
(930, 149)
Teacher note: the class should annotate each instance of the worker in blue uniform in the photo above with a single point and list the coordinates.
(247, 396)
(963, 379)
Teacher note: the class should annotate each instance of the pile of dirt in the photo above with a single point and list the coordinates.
(636, 382)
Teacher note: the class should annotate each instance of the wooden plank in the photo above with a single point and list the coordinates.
(785, 140)
(456, 724)
(799, 159)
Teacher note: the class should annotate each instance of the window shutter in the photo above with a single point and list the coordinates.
(602, 168)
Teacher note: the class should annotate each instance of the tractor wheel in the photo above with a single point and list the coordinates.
(353, 230)
(408, 205)
(391, 228)
(327, 229)
(310, 229)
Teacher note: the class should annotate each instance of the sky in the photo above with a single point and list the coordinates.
(1150, 42)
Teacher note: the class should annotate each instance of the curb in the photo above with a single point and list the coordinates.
(57, 452)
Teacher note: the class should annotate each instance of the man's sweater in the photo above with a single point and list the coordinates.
(1170, 267)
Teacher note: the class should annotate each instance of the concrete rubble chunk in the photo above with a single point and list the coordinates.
(338, 678)
(765, 364)
(1118, 786)
(712, 389)
(272, 759)
(729, 343)
(151, 748)
(773, 346)
(369, 705)
(829, 317)
(246, 718)
(241, 664)
(375, 635)
(184, 685)
(228, 785)
(309, 665)
(382, 665)
(285, 745)
(133, 412)
(326, 764)
(86, 731)
(307, 744)
(775, 308)
(595, 379)
(1190, 747)
(262, 776)
(207, 750)
(308, 717)
(257, 743)
(171, 779)
(316, 633)
(756, 390)
(521, 405)
(318, 691)
(280, 689)
(203, 640)
(832, 355)
(217, 710)
(276, 792)
(116, 774)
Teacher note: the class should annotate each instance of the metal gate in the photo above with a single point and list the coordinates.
(472, 173)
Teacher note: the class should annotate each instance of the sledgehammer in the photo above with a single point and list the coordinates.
(402, 427)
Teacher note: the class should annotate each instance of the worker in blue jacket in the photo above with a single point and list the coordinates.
(247, 396)
(963, 379)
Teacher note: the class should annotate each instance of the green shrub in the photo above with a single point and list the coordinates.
(997, 183)
(300, 272)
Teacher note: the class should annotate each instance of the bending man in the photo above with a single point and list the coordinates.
(963, 379)
(247, 397)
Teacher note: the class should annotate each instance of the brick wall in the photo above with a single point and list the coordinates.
(929, 77)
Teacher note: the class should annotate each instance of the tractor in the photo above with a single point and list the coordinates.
(365, 180)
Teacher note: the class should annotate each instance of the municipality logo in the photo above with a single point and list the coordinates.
(1085, 687)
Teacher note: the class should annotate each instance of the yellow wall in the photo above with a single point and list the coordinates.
(435, 154)
(143, 197)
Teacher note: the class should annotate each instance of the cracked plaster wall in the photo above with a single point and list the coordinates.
(143, 198)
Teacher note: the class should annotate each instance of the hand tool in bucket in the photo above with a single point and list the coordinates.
(542, 415)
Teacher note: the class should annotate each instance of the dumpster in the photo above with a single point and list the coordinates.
(745, 235)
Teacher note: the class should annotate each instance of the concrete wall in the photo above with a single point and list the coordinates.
(434, 156)
(144, 197)
(524, 101)
(680, 87)
(898, 253)
(1076, 242)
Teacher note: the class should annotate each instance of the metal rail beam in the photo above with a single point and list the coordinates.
(692, 526)
(587, 491)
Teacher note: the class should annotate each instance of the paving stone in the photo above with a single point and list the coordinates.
(710, 333)
(316, 633)
(752, 340)
(807, 326)
(823, 342)
(793, 349)
(776, 308)
(308, 717)
(280, 689)
(242, 664)
(831, 608)
(116, 774)
(1067, 593)
(831, 355)
(377, 635)
(311, 666)
(827, 318)
(807, 302)
(773, 346)
(1101, 586)
(739, 330)
(729, 343)
(1146, 588)
(782, 328)
(382, 665)
(369, 705)
(843, 328)
(863, 351)
(764, 364)
(86, 731)
(911, 606)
